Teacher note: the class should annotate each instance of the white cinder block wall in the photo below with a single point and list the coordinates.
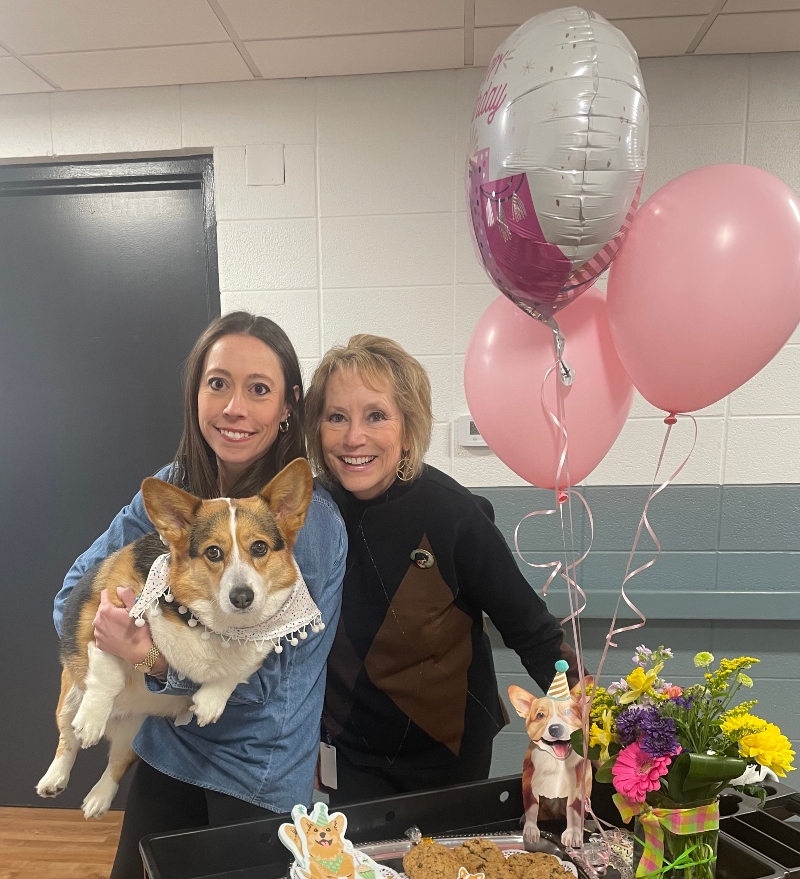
(369, 233)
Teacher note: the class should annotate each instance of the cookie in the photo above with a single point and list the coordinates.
(429, 860)
(537, 865)
(480, 855)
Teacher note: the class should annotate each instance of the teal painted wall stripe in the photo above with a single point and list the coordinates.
(728, 552)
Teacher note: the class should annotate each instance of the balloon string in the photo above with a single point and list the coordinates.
(577, 605)
(573, 589)
(644, 522)
(575, 594)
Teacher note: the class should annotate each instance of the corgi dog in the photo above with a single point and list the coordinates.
(551, 769)
(320, 848)
(230, 569)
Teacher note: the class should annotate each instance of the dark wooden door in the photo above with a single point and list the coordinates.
(107, 276)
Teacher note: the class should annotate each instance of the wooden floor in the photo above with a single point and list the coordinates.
(56, 844)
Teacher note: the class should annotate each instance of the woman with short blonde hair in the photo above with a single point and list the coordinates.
(379, 361)
(411, 699)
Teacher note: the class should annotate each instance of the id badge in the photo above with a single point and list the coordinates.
(327, 765)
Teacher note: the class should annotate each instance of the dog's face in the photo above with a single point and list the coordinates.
(323, 842)
(231, 560)
(549, 722)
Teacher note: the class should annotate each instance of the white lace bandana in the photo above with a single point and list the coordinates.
(290, 622)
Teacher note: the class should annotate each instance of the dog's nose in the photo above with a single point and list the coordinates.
(241, 597)
(556, 731)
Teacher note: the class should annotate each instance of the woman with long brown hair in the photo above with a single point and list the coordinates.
(243, 411)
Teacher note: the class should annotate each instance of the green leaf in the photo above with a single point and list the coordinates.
(694, 777)
(603, 773)
(576, 740)
(752, 790)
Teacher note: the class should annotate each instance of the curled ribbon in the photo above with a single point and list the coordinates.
(557, 565)
(681, 822)
(644, 522)
(576, 595)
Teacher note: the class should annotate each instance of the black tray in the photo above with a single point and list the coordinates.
(252, 850)
(770, 831)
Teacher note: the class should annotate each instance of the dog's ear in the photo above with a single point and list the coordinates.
(338, 823)
(170, 509)
(288, 496)
(288, 835)
(306, 825)
(588, 682)
(521, 700)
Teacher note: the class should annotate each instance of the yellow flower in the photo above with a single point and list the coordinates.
(639, 683)
(738, 725)
(770, 748)
(602, 736)
(600, 701)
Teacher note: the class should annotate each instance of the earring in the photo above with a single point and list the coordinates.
(283, 426)
(404, 472)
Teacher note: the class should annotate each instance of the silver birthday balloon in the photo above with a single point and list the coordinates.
(557, 154)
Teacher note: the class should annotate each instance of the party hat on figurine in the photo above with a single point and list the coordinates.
(559, 689)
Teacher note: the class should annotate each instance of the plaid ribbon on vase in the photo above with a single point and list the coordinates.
(682, 822)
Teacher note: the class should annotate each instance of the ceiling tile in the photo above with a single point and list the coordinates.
(16, 78)
(514, 12)
(363, 53)
(42, 26)
(271, 19)
(760, 5)
(660, 37)
(487, 39)
(165, 65)
(752, 32)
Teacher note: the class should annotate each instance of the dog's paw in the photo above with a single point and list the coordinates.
(572, 837)
(98, 800)
(207, 707)
(54, 781)
(530, 834)
(88, 730)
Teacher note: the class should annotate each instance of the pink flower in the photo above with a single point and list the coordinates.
(672, 692)
(636, 772)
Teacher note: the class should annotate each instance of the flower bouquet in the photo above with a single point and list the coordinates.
(670, 751)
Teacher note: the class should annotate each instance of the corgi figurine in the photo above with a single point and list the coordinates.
(551, 768)
(317, 841)
(212, 604)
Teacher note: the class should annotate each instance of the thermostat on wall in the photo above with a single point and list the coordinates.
(468, 433)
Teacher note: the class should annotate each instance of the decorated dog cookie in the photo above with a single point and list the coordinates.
(320, 849)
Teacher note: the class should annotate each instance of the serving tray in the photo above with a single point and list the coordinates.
(391, 852)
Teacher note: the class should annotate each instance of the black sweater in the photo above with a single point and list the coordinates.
(411, 679)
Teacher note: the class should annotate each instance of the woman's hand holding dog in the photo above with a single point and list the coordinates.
(115, 631)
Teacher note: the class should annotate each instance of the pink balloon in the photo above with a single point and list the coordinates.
(507, 359)
(706, 289)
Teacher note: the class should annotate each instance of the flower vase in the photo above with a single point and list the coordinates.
(688, 852)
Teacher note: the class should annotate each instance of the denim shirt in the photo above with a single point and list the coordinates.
(264, 747)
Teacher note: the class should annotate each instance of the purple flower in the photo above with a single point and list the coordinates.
(627, 727)
(684, 701)
(656, 733)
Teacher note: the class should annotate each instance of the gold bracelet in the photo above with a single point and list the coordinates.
(149, 661)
